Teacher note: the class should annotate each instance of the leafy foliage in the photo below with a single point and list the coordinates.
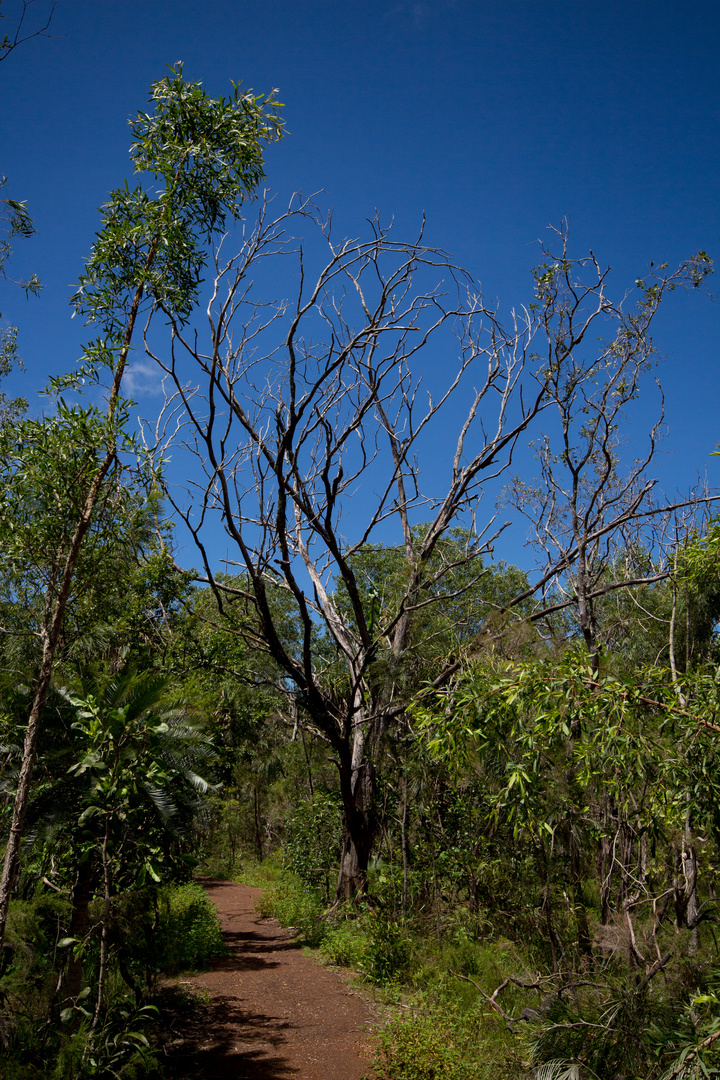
(312, 840)
(523, 803)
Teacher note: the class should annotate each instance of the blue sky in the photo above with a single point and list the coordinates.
(495, 118)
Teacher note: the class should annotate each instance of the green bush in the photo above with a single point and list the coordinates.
(420, 1048)
(297, 907)
(447, 1043)
(386, 956)
(185, 934)
(29, 981)
(118, 1048)
(312, 843)
(30, 939)
(374, 943)
(345, 945)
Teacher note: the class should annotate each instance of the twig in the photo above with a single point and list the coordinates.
(65, 892)
(657, 966)
(489, 998)
(693, 1054)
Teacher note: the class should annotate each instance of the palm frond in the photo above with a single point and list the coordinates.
(558, 1070)
(162, 800)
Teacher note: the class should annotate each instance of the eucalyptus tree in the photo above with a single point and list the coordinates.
(199, 158)
(591, 503)
(596, 775)
(127, 592)
(316, 441)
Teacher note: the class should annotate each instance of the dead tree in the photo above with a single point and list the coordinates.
(594, 515)
(313, 440)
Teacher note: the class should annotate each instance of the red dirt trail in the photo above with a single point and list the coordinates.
(273, 1012)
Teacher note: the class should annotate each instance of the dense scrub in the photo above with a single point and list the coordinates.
(543, 899)
(156, 931)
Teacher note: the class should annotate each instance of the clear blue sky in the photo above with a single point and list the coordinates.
(494, 117)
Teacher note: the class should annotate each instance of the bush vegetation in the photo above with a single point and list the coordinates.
(498, 801)
(161, 931)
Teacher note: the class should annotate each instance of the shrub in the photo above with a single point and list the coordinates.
(297, 907)
(420, 1048)
(312, 844)
(192, 929)
(179, 932)
(117, 1048)
(29, 981)
(345, 945)
(31, 936)
(386, 956)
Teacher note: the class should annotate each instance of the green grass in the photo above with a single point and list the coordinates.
(440, 1026)
(295, 906)
(260, 875)
(444, 1043)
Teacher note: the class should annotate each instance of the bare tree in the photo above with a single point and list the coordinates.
(593, 513)
(21, 32)
(315, 440)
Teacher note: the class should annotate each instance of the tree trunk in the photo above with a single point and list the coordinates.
(81, 896)
(360, 827)
(606, 862)
(258, 835)
(105, 932)
(404, 842)
(12, 851)
(689, 865)
(54, 618)
(576, 882)
(352, 878)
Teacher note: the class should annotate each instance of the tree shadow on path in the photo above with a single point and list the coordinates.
(209, 1050)
(265, 1011)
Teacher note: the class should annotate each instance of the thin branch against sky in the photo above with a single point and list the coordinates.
(494, 120)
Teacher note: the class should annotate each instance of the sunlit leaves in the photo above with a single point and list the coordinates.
(634, 742)
(136, 758)
(208, 154)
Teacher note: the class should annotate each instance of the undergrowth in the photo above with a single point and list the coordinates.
(190, 935)
(444, 1042)
(451, 985)
(439, 1027)
(260, 873)
(157, 931)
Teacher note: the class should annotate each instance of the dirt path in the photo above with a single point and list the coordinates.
(273, 1013)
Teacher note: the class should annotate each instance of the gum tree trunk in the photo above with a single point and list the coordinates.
(360, 825)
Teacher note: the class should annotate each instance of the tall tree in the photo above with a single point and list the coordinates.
(200, 157)
(589, 503)
(317, 443)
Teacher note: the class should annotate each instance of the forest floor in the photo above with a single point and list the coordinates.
(268, 1010)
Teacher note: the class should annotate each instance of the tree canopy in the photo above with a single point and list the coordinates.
(509, 765)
